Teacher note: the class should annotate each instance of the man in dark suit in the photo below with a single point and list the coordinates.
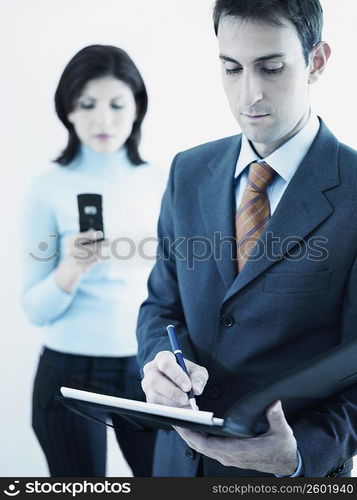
(257, 256)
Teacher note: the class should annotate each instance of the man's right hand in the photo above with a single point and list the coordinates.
(166, 383)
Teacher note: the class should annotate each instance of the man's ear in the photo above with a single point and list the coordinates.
(318, 60)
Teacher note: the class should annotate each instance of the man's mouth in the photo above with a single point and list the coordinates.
(254, 117)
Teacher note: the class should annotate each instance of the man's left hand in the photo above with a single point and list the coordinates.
(274, 452)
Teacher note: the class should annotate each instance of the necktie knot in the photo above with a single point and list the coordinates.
(261, 175)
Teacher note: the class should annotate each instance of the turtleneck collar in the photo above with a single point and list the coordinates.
(101, 165)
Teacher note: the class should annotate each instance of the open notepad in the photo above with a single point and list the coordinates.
(300, 389)
(186, 414)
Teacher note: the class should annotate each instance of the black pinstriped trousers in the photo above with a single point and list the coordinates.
(76, 446)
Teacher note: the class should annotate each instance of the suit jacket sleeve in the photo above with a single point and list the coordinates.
(327, 436)
(163, 305)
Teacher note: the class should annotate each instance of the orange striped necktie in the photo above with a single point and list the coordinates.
(253, 213)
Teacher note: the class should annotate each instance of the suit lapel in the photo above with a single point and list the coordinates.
(302, 208)
(216, 197)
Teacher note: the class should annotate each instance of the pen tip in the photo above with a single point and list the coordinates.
(193, 404)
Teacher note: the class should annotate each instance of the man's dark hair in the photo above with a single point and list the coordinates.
(92, 62)
(306, 15)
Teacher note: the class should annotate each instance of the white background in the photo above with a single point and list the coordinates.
(173, 44)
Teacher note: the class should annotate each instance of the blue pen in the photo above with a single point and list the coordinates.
(176, 349)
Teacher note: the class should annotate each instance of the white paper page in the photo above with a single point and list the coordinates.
(199, 417)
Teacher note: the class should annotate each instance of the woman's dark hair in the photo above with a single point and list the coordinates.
(91, 62)
(306, 15)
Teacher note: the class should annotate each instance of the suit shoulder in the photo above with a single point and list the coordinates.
(348, 154)
(348, 164)
(204, 152)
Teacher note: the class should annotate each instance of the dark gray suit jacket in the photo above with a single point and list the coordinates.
(294, 302)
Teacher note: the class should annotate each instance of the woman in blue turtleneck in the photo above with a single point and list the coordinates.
(89, 306)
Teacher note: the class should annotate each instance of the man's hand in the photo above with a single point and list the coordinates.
(166, 383)
(273, 452)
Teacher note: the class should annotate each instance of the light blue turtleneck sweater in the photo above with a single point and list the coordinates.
(99, 317)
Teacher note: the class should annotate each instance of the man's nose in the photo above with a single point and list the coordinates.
(251, 89)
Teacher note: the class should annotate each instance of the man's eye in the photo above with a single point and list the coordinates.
(269, 71)
(272, 71)
(232, 71)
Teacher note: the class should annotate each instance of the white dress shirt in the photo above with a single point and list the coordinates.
(284, 160)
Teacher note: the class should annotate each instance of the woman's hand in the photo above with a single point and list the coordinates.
(83, 253)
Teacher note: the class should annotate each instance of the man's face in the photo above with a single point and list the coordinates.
(265, 78)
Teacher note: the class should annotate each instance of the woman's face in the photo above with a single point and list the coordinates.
(104, 114)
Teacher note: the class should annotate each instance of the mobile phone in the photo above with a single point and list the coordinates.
(90, 212)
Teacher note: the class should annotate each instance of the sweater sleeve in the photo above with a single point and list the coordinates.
(42, 299)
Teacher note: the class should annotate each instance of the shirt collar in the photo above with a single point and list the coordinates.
(286, 159)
